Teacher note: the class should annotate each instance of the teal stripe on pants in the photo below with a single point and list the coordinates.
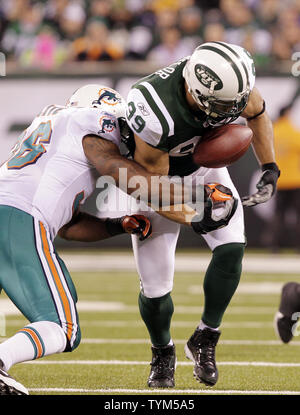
(21, 272)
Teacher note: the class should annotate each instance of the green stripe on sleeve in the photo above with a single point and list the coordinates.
(155, 108)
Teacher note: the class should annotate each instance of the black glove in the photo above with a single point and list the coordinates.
(266, 185)
(216, 195)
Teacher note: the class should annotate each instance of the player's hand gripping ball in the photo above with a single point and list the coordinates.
(222, 146)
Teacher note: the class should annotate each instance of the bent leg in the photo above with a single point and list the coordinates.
(34, 278)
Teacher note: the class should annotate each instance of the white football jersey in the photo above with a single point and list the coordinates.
(47, 174)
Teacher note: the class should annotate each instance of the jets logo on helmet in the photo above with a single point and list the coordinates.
(220, 77)
(208, 78)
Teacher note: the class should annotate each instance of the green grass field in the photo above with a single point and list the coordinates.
(114, 355)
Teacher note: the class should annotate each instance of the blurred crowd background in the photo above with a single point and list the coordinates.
(48, 33)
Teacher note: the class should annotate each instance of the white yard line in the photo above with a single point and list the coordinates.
(183, 341)
(247, 288)
(133, 323)
(184, 324)
(166, 391)
(185, 262)
(8, 308)
(139, 363)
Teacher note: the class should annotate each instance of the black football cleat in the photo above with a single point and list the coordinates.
(200, 348)
(162, 367)
(286, 317)
(283, 326)
(8, 385)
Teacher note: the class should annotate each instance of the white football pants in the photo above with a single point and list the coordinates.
(155, 257)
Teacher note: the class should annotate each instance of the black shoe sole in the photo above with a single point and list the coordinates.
(9, 390)
(9, 386)
(189, 355)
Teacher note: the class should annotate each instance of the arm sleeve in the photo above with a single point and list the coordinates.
(144, 118)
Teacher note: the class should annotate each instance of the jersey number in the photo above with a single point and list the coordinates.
(28, 150)
(138, 124)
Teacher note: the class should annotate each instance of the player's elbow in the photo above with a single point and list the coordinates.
(64, 233)
(153, 165)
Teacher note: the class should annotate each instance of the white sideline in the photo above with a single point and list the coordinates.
(138, 363)
(167, 391)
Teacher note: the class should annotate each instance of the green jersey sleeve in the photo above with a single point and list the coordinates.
(148, 117)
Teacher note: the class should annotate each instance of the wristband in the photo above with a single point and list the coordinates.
(271, 166)
(114, 226)
(259, 113)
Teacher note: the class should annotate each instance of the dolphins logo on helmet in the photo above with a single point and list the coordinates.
(107, 96)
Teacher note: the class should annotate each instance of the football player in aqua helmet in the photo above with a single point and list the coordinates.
(99, 96)
(108, 100)
(220, 78)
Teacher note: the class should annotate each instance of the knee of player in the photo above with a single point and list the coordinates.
(74, 340)
(157, 291)
(229, 257)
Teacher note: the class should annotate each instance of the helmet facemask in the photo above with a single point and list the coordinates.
(220, 112)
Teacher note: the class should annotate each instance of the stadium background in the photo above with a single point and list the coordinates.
(53, 47)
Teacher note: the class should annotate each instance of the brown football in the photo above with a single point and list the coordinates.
(222, 146)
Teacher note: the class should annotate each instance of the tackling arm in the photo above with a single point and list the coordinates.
(106, 158)
(155, 160)
(87, 228)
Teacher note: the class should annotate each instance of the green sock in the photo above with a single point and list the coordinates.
(221, 280)
(157, 314)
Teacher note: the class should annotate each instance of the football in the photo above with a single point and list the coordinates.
(222, 145)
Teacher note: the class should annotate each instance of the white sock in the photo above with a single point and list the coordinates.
(35, 340)
(202, 326)
(169, 344)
